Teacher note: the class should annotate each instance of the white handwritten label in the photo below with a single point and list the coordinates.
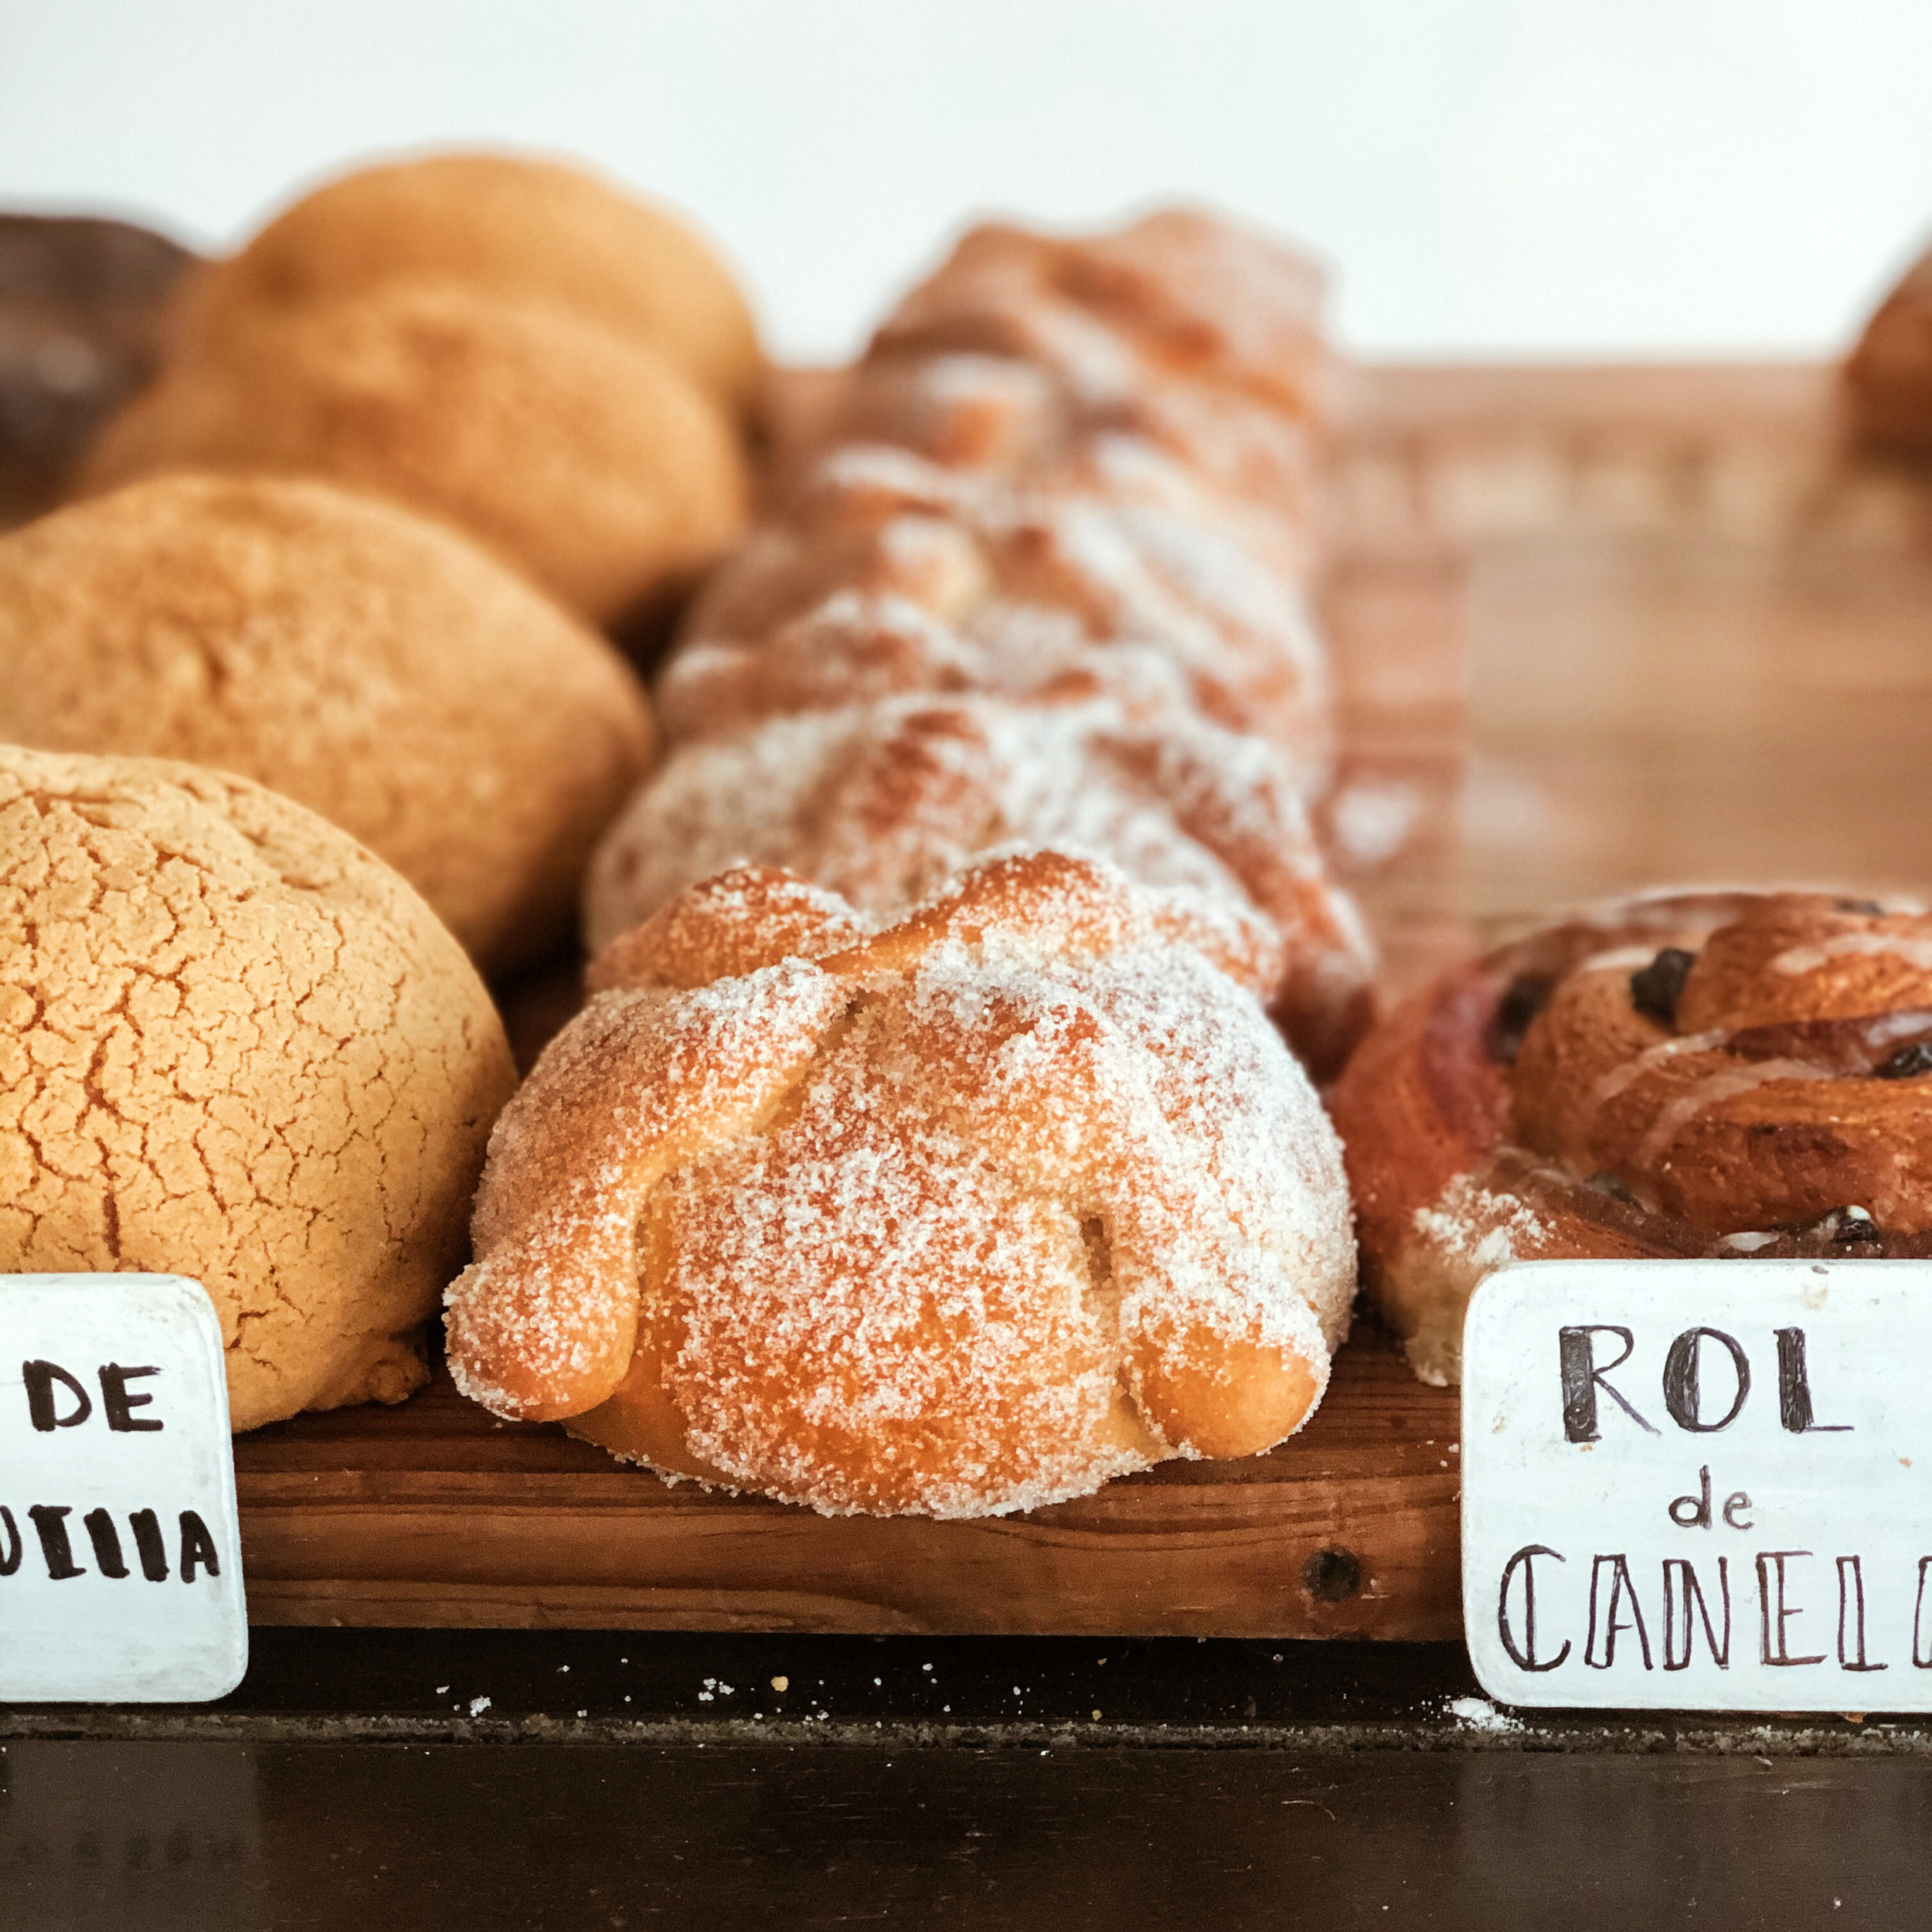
(120, 1554)
(1700, 1485)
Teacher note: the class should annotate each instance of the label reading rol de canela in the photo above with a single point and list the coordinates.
(1700, 1484)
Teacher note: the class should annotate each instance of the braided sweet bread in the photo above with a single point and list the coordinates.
(884, 803)
(1036, 582)
(1703, 1074)
(1084, 460)
(890, 573)
(958, 1217)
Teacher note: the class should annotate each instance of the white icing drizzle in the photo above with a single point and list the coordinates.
(1716, 1088)
(1618, 959)
(1807, 959)
(1619, 1077)
(1908, 1024)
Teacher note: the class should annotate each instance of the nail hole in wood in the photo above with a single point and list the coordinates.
(1331, 1575)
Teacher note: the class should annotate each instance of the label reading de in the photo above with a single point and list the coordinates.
(119, 1557)
(1700, 1485)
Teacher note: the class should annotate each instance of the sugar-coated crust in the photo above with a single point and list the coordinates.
(1063, 465)
(884, 802)
(234, 1045)
(891, 573)
(514, 226)
(361, 660)
(1716, 1073)
(583, 458)
(1184, 293)
(1035, 578)
(955, 1216)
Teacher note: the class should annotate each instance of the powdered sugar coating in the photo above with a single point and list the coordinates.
(890, 572)
(882, 803)
(633, 1085)
(1047, 1201)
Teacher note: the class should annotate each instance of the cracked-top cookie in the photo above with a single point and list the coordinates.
(363, 661)
(234, 1046)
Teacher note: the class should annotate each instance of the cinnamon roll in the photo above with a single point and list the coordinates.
(1696, 1074)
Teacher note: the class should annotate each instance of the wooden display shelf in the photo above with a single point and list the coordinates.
(434, 1513)
(1699, 639)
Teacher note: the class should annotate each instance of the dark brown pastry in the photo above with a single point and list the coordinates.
(81, 301)
(1889, 378)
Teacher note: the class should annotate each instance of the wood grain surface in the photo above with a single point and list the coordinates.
(434, 1513)
(1597, 628)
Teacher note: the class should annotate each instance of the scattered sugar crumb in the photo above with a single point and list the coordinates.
(1373, 818)
(478, 1706)
(1479, 1714)
(1463, 1208)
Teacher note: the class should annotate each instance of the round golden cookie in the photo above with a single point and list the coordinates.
(371, 665)
(506, 225)
(588, 461)
(235, 1046)
(958, 1217)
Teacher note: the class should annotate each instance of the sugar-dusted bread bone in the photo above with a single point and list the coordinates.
(583, 458)
(882, 803)
(1890, 374)
(508, 226)
(957, 1217)
(1718, 1073)
(235, 1046)
(366, 662)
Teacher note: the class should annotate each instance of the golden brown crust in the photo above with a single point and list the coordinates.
(725, 926)
(235, 1046)
(890, 575)
(508, 225)
(583, 459)
(1716, 1073)
(363, 662)
(956, 1217)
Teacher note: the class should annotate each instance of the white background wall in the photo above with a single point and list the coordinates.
(1628, 177)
